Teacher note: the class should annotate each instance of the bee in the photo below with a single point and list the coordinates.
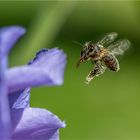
(103, 54)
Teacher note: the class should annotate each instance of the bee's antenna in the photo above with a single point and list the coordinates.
(76, 42)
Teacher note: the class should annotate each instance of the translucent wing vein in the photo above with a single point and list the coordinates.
(108, 39)
(119, 47)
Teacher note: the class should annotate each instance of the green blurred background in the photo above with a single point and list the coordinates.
(107, 108)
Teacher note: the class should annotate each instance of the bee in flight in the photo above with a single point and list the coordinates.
(103, 54)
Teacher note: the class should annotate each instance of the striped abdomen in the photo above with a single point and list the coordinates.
(111, 62)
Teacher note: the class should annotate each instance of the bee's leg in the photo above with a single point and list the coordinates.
(98, 70)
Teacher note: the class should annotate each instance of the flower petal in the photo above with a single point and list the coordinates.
(8, 37)
(35, 124)
(47, 68)
(20, 99)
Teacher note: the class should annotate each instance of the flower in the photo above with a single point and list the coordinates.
(17, 119)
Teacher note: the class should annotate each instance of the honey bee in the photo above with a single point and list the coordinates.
(103, 54)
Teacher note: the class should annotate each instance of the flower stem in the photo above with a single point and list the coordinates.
(5, 121)
(45, 28)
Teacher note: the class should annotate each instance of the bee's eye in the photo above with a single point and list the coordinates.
(91, 49)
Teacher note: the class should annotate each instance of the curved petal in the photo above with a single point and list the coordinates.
(47, 68)
(20, 99)
(8, 37)
(35, 124)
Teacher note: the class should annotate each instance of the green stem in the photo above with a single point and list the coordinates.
(45, 29)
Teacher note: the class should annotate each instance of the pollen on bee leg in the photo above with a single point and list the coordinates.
(87, 81)
(89, 78)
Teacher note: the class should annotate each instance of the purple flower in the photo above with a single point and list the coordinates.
(19, 121)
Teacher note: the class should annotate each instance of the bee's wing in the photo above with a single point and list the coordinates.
(107, 39)
(119, 47)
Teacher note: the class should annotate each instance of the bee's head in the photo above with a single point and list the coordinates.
(88, 51)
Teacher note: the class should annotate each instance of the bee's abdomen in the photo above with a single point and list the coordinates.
(111, 62)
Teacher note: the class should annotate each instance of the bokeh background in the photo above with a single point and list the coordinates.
(107, 108)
